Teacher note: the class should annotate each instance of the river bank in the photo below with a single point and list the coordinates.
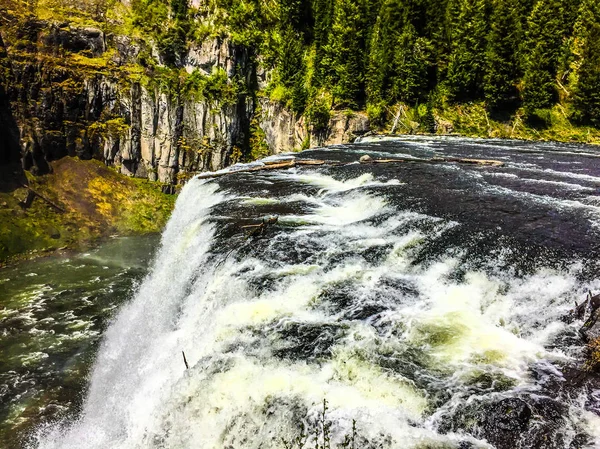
(474, 120)
(76, 205)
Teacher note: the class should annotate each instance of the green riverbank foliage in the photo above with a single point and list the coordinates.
(527, 66)
(531, 68)
(95, 202)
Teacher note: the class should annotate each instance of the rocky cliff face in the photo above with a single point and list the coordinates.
(285, 132)
(72, 93)
(78, 92)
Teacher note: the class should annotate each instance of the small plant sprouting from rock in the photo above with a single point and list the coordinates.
(325, 429)
(321, 432)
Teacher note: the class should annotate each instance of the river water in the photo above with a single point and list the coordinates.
(392, 306)
(52, 314)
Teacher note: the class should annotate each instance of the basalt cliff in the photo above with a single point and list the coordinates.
(72, 90)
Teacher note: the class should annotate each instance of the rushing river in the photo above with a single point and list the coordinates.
(52, 314)
(422, 302)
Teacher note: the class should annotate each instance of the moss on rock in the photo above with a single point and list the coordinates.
(97, 202)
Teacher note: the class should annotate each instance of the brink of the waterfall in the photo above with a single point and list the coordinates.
(413, 305)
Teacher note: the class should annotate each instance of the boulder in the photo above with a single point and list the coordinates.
(76, 39)
(591, 328)
(589, 311)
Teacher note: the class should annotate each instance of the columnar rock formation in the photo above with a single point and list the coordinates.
(79, 92)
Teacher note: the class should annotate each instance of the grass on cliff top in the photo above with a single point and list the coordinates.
(97, 202)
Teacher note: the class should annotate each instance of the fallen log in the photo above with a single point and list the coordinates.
(32, 193)
(312, 162)
(259, 229)
(265, 221)
(434, 160)
(460, 160)
(269, 165)
(276, 165)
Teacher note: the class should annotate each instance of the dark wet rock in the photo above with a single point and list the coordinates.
(589, 311)
(375, 254)
(591, 329)
(302, 341)
(75, 39)
(342, 299)
(509, 423)
(585, 308)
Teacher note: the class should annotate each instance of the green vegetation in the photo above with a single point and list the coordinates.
(592, 362)
(475, 120)
(587, 92)
(529, 68)
(516, 59)
(95, 200)
(502, 68)
(258, 143)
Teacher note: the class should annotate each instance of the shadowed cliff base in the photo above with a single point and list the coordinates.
(11, 173)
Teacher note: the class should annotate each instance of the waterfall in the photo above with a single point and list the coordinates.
(410, 324)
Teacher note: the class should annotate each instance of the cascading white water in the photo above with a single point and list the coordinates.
(390, 341)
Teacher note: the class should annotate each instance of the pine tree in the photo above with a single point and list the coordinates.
(467, 59)
(376, 70)
(291, 68)
(323, 13)
(372, 10)
(435, 28)
(503, 71)
(409, 67)
(346, 53)
(544, 43)
(400, 58)
(587, 90)
(297, 14)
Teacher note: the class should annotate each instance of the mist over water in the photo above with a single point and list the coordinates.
(422, 301)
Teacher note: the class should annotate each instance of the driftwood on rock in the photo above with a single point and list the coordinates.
(257, 230)
(270, 165)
